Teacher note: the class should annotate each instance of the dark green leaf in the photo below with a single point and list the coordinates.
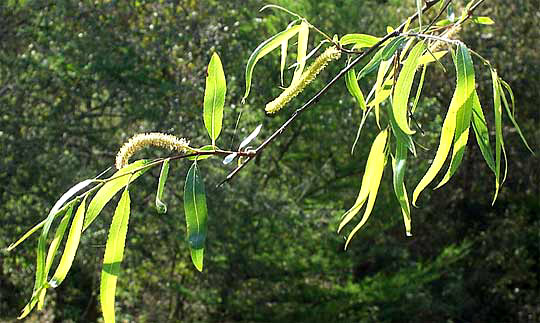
(196, 214)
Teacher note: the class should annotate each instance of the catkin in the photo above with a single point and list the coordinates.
(332, 53)
(453, 31)
(143, 140)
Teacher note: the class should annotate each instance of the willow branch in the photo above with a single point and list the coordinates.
(325, 89)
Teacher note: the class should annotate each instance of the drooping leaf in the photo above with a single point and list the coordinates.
(376, 168)
(419, 12)
(359, 40)
(196, 214)
(463, 117)
(264, 48)
(58, 209)
(398, 166)
(482, 20)
(354, 88)
(464, 90)
(53, 248)
(160, 206)
(499, 142)
(119, 180)
(510, 113)
(403, 86)
(419, 89)
(429, 58)
(360, 126)
(382, 89)
(371, 174)
(283, 62)
(114, 254)
(63, 199)
(383, 54)
(481, 132)
(70, 249)
(214, 98)
(303, 37)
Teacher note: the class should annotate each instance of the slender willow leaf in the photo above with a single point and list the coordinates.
(283, 62)
(114, 254)
(399, 164)
(354, 88)
(303, 37)
(32, 303)
(430, 58)
(53, 248)
(499, 142)
(70, 249)
(382, 55)
(196, 214)
(482, 20)
(360, 126)
(403, 86)
(264, 48)
(160, 206)
(202, 157)
(481, 132)
(419, 12)
(511, 112)
(106, 193)
(359, 40)
(464, 90)
(378, 159)
(419, 89)
(66, 196)
(370, 175)
(382, 91)
(214, 98)
(463, 118)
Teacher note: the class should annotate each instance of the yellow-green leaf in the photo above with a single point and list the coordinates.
(370, 180)
(464, 89)
(303, 37)
(482, 20)
(214, 98)
(160, 206)
(359, 40)
(354, 88)
(376, 171)
(382, 55)
(283, 62)
(264, 48)
(51, 253)
(429, 58)
(463, 118)
(114, 254)
(119, 180)
(70, 249)
(511, 112)
(403, 86)
(499, 142)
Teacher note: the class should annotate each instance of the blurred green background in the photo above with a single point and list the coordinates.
(78, 78)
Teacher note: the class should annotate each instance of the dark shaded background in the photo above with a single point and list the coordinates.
(79, 78)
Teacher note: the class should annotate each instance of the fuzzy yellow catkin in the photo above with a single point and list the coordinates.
(453, 31)
(331, 53)
(143, 140)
